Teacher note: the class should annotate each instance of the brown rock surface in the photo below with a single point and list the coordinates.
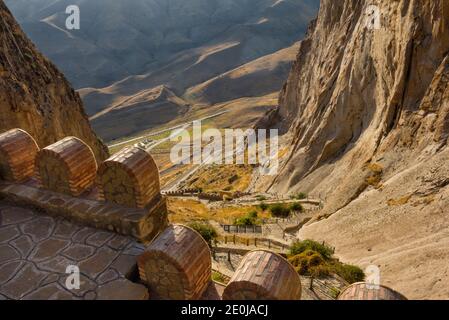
(366, 112)
(35, 96)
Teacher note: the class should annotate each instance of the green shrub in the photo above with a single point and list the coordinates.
(233, 179)
(334, 292)
(278, 210)
(299, 196)
(320, 271)
(250, 219)
(296, 207)
(301, 246)
(314, 259)
(310, 263)
(263, 206)
(261, 198)
(218, 277)
(244, 221)
(207, 231)
(350, 273)
(253, 214)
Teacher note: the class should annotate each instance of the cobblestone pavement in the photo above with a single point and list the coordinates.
(35, 251)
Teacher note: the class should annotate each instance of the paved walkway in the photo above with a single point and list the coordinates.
(35, 251)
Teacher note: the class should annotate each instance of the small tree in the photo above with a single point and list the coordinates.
(207, 231)
(278, 210)
(299, 196)
(302, 246)
(296, 207)
(350, 273)
(316, 259)
(249, 219)
(263, 206)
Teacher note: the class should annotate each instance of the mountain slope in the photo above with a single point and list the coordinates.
(366, 111)
(224, 49)
(127, 37)
(149, 108)
(34, 95)
(256, 78)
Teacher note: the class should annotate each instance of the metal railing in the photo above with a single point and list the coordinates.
(241, 229)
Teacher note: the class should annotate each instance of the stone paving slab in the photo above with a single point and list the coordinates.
(35, 251)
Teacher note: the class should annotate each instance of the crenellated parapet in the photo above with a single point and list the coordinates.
(129, 178)
(264, 275)
(67, 166)
(17, 153)
(177, 264)
(63, 179)
(123, 195)
(367, 291)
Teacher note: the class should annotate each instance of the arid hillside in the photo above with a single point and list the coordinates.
(253, 79)
(34, 95)
(130, 37)
(116, 114)
(203, 51)
(366, 113)
(130, 114)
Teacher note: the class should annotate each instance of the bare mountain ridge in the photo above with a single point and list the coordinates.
(257, 78)
(130, 114)
(35, 96)
(191, 47)
(366, 112)
(127, 37)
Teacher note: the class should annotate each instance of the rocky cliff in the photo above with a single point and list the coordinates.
(34, 95)
(366, 113)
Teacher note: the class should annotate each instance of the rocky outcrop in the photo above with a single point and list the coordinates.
(366, 113)
(35, 96)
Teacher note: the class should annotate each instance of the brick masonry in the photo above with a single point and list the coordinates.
(76, 215)
(129, 178)
(264, 275)
(363, 291)
(17, 153)
(177, 264)
(67, 166)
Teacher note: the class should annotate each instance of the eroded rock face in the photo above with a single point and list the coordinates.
(366, 110)
(35, 96)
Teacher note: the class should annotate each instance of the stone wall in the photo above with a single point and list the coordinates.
(177, 264)
(210, 196)
(130, 178)
(365, 291)
(264, 275)
(64, 185)
(67, 166)
(177, 261)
